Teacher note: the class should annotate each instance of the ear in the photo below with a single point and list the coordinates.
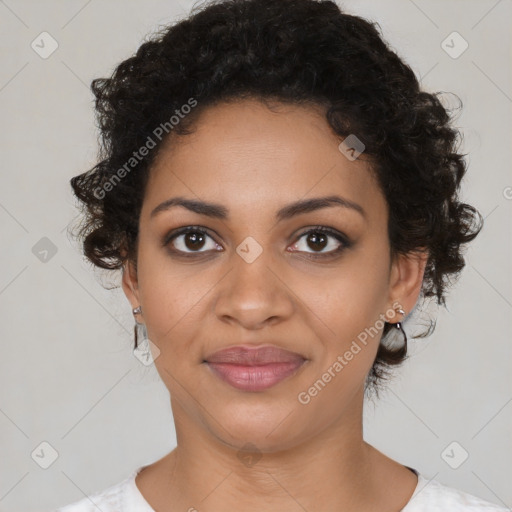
(130, 283)
(406, 278)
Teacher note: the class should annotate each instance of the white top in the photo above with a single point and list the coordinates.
(428, 496)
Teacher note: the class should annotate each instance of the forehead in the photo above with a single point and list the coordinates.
(244, 154)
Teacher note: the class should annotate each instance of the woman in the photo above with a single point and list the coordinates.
(278, 193)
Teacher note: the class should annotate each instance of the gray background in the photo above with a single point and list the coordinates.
(67, 374)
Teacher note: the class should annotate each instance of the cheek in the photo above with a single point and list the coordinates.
(349, 305)
(172, 306)
(354, 294)
(172, 295)
(174, 324)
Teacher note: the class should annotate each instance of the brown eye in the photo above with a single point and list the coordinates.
(191, 240)
(322, 241)
(194, 241)
(317, 241)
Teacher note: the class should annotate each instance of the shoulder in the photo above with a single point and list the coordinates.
(433, 496)
(111, 499)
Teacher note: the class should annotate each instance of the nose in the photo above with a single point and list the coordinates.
(254, 294)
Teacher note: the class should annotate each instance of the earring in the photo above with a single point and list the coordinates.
(143, 335)
(136, 327)
(398, 325)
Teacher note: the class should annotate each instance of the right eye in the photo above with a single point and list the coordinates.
(190, 240)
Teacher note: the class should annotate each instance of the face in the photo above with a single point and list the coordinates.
(315, 281)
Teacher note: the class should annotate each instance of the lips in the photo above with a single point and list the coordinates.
(254, 356)
(254, 369)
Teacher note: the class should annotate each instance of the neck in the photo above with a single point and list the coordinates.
(332, 470)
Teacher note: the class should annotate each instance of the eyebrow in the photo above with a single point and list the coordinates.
(218, 211)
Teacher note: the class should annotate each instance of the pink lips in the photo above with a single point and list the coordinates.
(254, 369)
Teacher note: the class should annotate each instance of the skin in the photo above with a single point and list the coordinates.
(253, 160)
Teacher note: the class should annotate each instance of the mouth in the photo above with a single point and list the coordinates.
(254, 369)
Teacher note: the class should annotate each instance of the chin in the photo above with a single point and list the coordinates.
(269, 428)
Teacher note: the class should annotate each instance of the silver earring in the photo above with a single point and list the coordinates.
(138, 326)
(139, 333)
(391, 342)
(398, 325)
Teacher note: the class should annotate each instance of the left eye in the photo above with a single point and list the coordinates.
(319, 239)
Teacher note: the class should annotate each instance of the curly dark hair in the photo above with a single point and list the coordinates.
(297, 52)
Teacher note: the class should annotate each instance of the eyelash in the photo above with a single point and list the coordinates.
(343, 239)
